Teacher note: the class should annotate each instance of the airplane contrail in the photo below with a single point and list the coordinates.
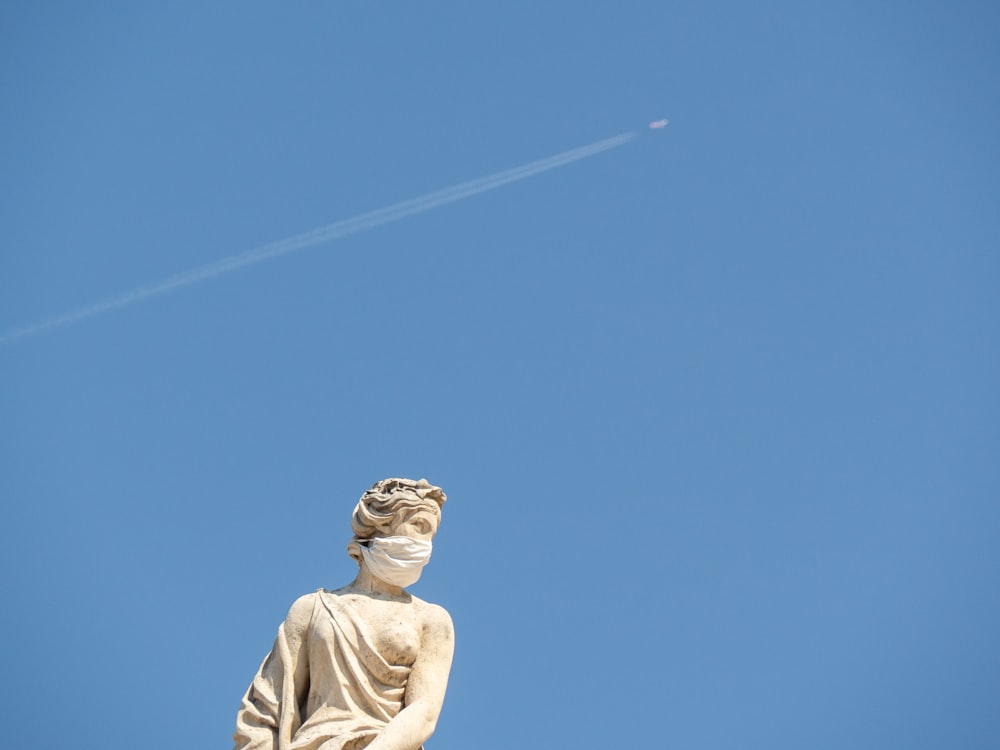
(328, 233)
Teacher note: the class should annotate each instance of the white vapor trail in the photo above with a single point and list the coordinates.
(327, 233)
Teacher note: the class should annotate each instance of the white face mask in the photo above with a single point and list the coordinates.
(398, 560)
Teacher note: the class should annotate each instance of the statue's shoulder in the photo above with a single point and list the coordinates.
(433, 616)
(302, 608)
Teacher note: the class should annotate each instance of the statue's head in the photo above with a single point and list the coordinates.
(396, 507)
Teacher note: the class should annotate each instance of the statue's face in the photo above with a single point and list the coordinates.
(416, 523)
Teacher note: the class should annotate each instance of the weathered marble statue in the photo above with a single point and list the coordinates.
(365, 666)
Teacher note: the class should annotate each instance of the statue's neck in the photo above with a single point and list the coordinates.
(366, 583)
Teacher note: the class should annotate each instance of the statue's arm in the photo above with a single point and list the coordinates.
(425, 687)
(271, 704)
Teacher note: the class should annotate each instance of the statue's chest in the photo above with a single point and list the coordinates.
(396, 640)
(390, 628)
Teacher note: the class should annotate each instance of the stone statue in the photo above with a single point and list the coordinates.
(365, 666)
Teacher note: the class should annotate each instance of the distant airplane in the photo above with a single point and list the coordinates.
(657, 124)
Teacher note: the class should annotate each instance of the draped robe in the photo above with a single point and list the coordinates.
(338, 699)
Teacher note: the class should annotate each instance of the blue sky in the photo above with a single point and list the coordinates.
(716, 411)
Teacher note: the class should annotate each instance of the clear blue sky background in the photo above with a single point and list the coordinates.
(717, 411)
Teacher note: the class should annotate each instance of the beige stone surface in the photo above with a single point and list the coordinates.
(363, 666)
